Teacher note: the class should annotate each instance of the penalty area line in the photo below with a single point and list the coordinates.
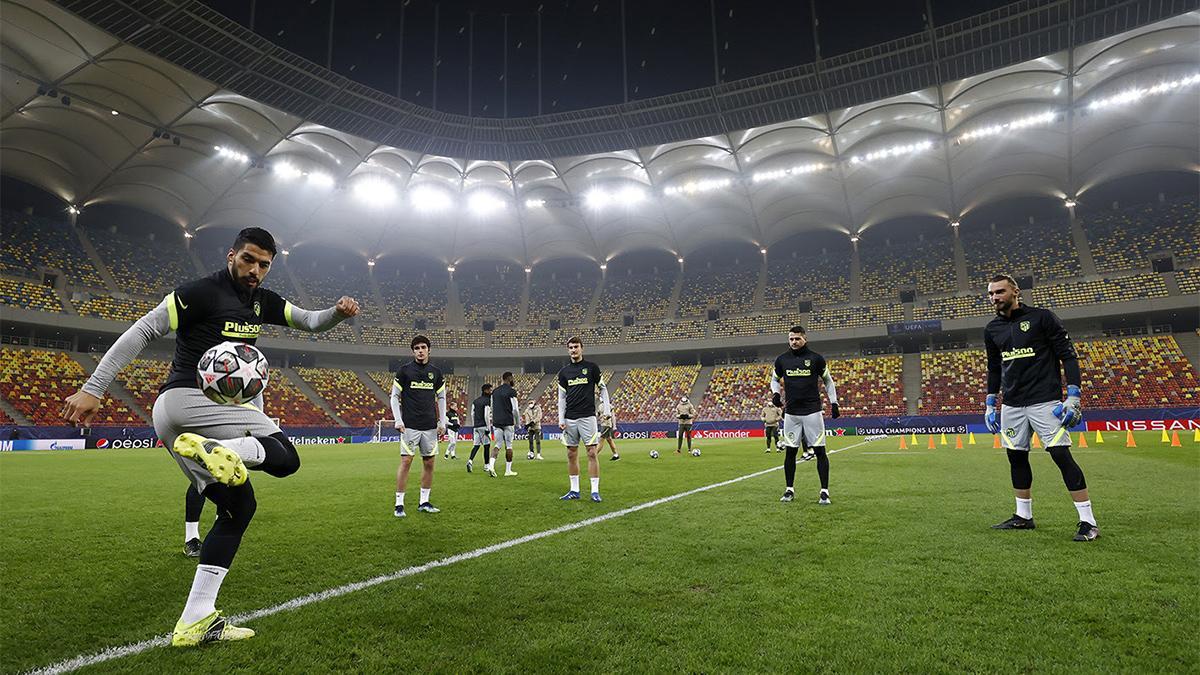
(134, 648)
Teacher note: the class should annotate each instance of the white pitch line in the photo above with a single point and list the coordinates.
(895, 452)
(131, 649)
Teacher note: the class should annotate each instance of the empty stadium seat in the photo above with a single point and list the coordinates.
(350, 399)
(1046, 249)
(1124, 239)
(927, 264)
(28, 295)
(729, 289)
(1120, 289)
(36, 382)
(113, 308)
(562, 296)
(31, 242)
(284, 400)
(125, 255)
(644, 296)
(491, 294)
(736, 392)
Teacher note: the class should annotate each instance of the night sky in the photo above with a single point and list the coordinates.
(669, 44)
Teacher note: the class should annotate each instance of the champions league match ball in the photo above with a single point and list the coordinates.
(653, 454)
(695, 452)
(232, 372)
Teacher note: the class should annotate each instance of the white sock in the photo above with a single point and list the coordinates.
(507, 467)
(249, 448)
(191, 531)
(596, 484)
(574, 483)
(425, 495)
(399, 499)
(1085, 511)
(202, 600)
(1025, 508)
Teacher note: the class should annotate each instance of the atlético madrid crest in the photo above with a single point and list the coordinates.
(1025, 326)
(584, 371)
(257, 309)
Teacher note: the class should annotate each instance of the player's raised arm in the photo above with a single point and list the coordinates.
(315, 321)
(82, 406)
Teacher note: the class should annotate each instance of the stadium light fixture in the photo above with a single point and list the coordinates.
(1069, 203)
(680, 259)
(1138, 93)
(449, 268)
(954, 224)
(286, 252)
(284, 170)
(370, 262)
(230, 153)
(375, 191)
(188, 235)
(798, 170)
(425, 198)
(528, 270)
(1039, 120)
(114, 113)
(762, 251)
(482, 203)
(603, 266)
(320, 179)
(596, 198)
(854, 238)
(630, 196)
(73, 210)
(894, 151)
(698, 186)
(535, 203)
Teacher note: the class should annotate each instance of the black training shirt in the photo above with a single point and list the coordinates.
(453, 423)
(479, 411)
(502, 405)
(1023, 353)
(419, 387)
(215, 309)
(802, 372)
(579, 380)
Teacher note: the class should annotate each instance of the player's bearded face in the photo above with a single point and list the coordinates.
(249, 265)
(1002, 295)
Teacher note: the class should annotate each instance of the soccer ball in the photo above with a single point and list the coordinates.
(232, 372)
(695, 452)
(529, 456)
(653, 454)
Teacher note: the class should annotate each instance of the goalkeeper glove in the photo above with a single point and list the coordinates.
(776, 401)
(1069, 411)
(835, 411)
(990, 418)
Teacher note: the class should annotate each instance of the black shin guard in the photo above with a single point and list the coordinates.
(281, 457)
(1071, 473)
(822, 466)
(235, 510)
(1022, 473)
(474, 449)
(789, 465)
(193, 504)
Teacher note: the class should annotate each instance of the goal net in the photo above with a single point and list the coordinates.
(383, 427)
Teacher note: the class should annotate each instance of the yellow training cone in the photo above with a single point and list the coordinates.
(1099, 438)
(1165, 438)
(913, 440)
(943, 438)
(1196, 436)
(971, 438)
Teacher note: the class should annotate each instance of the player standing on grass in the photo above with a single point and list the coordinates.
(798, 375)
(453, 424)
(577, 383)
(771, 416)
(533, 428)
(608, 429)
(481, 422)
(419, 406)
(506, 415)
(686, 412)
(1024, 348)
(227, 305)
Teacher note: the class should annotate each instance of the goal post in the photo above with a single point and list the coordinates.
(380, 427)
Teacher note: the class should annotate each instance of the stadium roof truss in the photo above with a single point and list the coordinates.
(171, 107)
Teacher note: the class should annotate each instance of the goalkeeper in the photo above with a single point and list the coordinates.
(1025, 346)
(686, 412)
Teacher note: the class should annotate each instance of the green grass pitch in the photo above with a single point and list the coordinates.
(901, 573)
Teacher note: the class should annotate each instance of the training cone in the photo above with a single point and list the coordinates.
(1165, 438)
(971, 438)
(931, 446)
(1129, 442)
(1175, 440)
(913, 440)
(903, 445)
(957, 442)
(995, 442)
(1099, 438)
(1196, 436)
(1037, 442)
(943, 438)
(1082, 440)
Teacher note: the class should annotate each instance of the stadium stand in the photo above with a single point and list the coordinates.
(644, 296)
(838, 318)
(28, 295)
(822, 278)
(114, 308)
(666, 332)
(1121, 289)
(142, 378)
(927, 264)
(125, 255)
(522, 382)
(729, 289)
(563, 296)
(36, 382)
(407, 299)
(284, 400)
(5, 419)
(1188, 281)
(1137, 372)
(518, 339)
(952, 307)
(1046, 249)
(349, 398)
(767, 324)
(492, 292)
(31, 242)
(651, 394)
(871, 386)
(1124, 239)
(736, 392)
(441, 338)
(953, 382)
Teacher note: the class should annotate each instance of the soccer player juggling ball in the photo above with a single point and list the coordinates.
(213, 444)
(1024, 348)
(798, 375)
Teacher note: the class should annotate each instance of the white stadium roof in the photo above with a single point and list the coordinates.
(1065, 104)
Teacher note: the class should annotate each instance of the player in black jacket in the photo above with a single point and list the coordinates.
(1025, 346)
(798, 376)
(453, 424)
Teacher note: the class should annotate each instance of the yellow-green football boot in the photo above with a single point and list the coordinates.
(224, 464)
(212, 628)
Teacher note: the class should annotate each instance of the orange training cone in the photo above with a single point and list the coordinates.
(957, 442)
(1099, 438)
(1037, 442)
(931, 441)
(943, 438)
(971, 438)
(903, 445)
(1082, 440)
(1129, 442)
(1165, 438)
(1175, 440)
(995, 441)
